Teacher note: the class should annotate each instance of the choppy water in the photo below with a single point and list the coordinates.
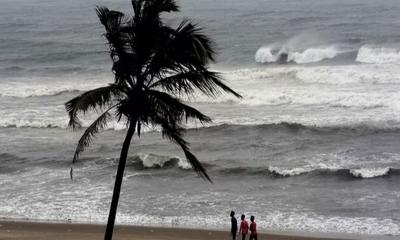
(312, 146)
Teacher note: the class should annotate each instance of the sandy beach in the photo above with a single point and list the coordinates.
(291, 108)
(52, 231)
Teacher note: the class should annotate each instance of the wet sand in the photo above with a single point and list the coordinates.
(62, 231)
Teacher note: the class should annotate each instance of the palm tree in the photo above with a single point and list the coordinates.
(154, 66)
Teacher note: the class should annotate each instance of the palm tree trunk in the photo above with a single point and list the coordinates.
(118, 180)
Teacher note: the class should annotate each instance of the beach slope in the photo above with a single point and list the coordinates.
(62, 231)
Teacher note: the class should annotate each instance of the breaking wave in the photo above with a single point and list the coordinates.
(362, 173)
(268, 54)
(379, 55)
(365, 54)
(38, 90)
(154, 161)
(238, 128)
(272, 171)
(47, 86)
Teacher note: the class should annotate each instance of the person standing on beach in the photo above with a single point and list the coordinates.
(233, 225)
(253, 229)
(244, 227)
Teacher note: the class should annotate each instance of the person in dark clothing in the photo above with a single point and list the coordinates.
(253, 229)
(234, 225)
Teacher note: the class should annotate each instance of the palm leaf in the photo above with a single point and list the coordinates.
(151, 9)
(185, 47)
(208, 82)
(174, 108)
(175, 133)
(90, 132)
(118, 29)
(195, 41)
(90, 100)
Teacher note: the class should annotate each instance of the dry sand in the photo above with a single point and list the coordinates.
(62, 231)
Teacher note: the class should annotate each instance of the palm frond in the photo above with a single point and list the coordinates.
(195, 41)
(153, 8)
(118, 27)
(166, 6)
(174, 108)
(208, 82)
(182, 49)
(90, 100)
(111, 20)
(137, 6)
(90, 132)
(175, 134)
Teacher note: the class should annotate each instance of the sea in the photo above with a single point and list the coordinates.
(313, 145)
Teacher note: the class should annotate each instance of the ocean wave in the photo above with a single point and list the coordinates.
(286, 172)
(10, 163)
(279, 172)
(379, 55)
(48, 86)
(313, 54)
(316, 169)
(42, 90)
(4, 157)
(13, 68)
(154, 161)
(233, 127)
(263, 77)
(268, 54)
(48, 121)
(296, 127)
(362, 173)
(309, 95)
(373, 172)
(348, 86)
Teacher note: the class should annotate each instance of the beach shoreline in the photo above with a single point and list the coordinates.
(22, 229)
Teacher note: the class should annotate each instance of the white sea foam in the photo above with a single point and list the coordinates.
(359, 173)
(341, 164)
(370, 172)
(54, 197)
(338, 92)
(379, 55)
(310, 222)
(333, 86)
(46, 86)
(151, 160)
(267, 54)
(47, 117)
(312, 55)
(288, 171)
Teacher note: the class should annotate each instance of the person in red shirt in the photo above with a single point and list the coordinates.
(244, 227)
(253, 229)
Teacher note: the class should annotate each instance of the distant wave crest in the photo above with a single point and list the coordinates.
(373, 54)
(279, 172)
(268, 54)
(362, 173)
(23, 92)
(38, 87)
